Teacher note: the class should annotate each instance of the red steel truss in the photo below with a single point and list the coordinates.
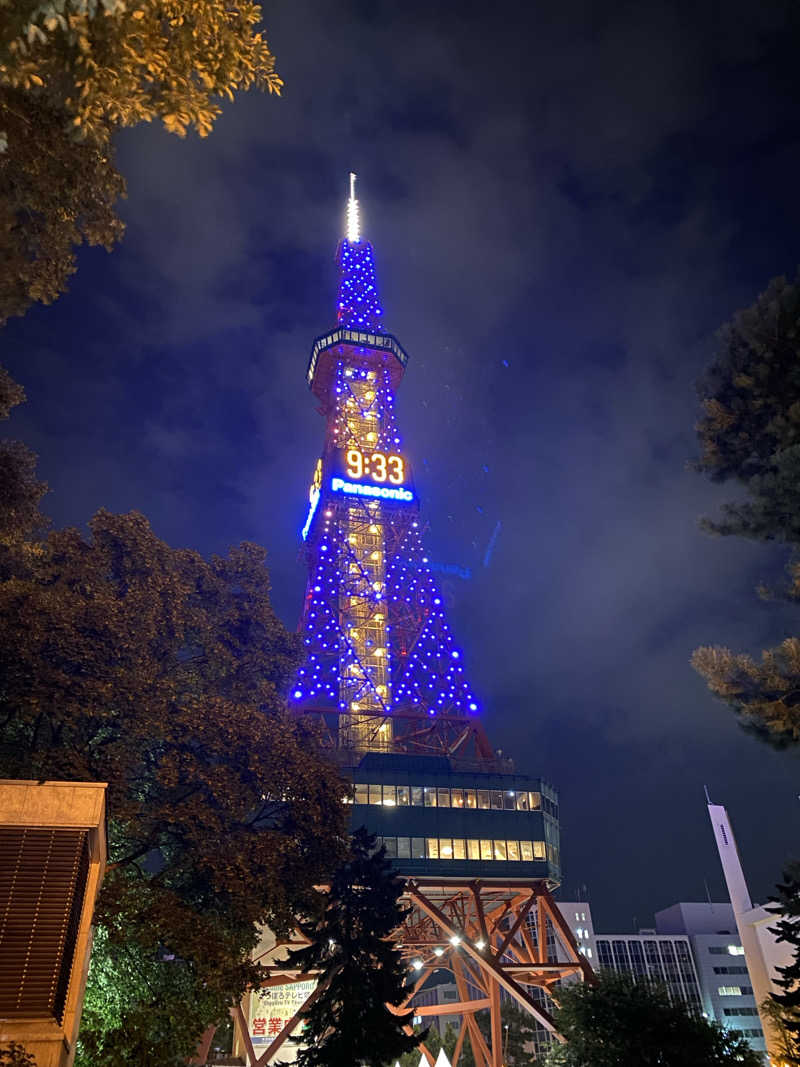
(492, 935)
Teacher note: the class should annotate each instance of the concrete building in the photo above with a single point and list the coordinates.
(578, 916)
(726, 989)
(654, 956)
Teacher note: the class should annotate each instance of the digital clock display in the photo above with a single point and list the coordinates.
(376, 474)
(375, 466)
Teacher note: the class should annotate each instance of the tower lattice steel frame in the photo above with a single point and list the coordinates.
(386, 679)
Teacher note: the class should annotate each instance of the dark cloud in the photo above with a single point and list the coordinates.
(566, 201)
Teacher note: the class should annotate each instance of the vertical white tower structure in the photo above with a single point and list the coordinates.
(762, 952)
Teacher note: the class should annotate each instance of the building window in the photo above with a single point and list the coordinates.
(512, 850)
(526, 851)
(444, 798)
(445, 848)
(404, 848)
(457, 798)
(390, 795)
(430, 796)
(486, 849)
(470, 799)
(416, 796)
(497, 799)
(473, 850)
(375, 794)
(418, 848)
(432, 848)
(483, 798)
(361, 794)
(402, 796)
(459, 849)
(510, 800)
(499, 850)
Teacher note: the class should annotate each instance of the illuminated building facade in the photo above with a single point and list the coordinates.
(477, 843)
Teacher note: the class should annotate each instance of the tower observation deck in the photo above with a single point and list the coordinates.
(477, 842)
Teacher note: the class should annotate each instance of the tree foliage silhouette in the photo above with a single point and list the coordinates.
(749, 435)
(359, 969)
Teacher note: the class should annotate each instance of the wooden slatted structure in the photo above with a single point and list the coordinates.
(43, 880)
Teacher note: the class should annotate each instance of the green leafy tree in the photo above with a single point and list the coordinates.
(787, 929)
(433, 1042)
(71, 74)
(20, 490)
(518, 1029)
(616, 1021)
(127, 661)
(749, 435)
(360, 970)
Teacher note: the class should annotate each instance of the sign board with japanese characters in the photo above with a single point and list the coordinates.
(271, 1009)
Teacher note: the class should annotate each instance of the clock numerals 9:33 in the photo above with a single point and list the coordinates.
(376, 466)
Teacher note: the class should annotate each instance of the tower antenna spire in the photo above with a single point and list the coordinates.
(353, 230)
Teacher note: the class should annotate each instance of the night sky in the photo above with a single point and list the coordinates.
(566, 201)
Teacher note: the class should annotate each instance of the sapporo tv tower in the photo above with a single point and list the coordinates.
(477, 843)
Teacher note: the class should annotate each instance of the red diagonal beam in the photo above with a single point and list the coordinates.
(493, 969)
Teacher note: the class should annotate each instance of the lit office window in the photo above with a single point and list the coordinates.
(375, 794)
(459, 849)
(473, 850)
(470, 799)
(499, 850)
(526, 851)
(403, 796)
(416, 796)
(430, 796)
(445, 848)
(486, 849)
(390, 795)
(444, 798)
(432, 848)
(457, 798)
(483, 798)
(512, 849)
(361, 793)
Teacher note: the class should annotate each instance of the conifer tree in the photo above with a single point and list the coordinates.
(360, 969)
(749, 435)
(787, 906)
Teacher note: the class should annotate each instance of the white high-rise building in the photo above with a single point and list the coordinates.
(726, 990)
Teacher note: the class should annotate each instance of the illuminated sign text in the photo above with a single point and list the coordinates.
(383, 492)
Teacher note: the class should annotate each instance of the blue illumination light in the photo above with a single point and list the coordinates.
(385, 492)
(358, 305)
